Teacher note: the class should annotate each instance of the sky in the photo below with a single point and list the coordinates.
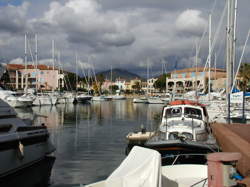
(127, 34)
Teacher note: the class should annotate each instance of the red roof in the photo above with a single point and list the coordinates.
(21, 66)
(186, 102)
(199, 69)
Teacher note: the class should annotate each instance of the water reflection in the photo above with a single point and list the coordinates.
(90, 138)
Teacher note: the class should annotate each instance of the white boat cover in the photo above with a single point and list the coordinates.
(141, 168)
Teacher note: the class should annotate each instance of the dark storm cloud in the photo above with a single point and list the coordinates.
(12, 18)
(123, 33)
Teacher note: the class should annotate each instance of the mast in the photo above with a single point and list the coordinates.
(59, 67)
(231, 39)
(209, 58)
(25, 59)
(111, 80)
(196, 69)
(215, 66)
(25, 51)
(76, 72)
(36, 60)
(234, 11)
(53, 54)
(147, 75)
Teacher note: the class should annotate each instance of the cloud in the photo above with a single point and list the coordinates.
(120, 33)
(84, 22)
(17, 61)
(190, 22)
(13, 18)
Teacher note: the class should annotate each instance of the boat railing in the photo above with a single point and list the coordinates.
(178, 156)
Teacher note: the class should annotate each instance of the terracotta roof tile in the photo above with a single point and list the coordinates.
(199, 69)
(21, 66)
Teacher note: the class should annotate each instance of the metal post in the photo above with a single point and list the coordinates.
(243, 107)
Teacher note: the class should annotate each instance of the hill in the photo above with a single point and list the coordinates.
(118, 73)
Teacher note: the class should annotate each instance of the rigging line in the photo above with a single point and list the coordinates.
(242, 54)
(84, 74)
(65, 76)
(216, 33)
(205, 29)
(32, 58)
(203, 180)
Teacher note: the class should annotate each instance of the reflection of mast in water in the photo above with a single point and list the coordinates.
(76, 127)
(88, 126)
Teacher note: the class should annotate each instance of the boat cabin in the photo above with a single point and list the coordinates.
(184, 119)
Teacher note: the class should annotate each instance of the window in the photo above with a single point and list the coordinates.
(173, 112)
(192, 113)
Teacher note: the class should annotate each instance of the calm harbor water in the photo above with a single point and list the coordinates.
(90, 138)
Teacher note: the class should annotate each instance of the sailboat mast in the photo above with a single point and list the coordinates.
(196, 69)
(147, 75)
(59, 67)
(234, 11)
(25, 51)
(215, 66)
(231, 23)
(76, 72)
(25, 62)
(209, 58)
(53, 54)
(36, 59)
(111, 80)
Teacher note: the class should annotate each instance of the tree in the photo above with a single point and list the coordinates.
(161, 82)
(100, 79)
(5, 79)
(70, 80)
(113, 88)
(244, 74)
(137, 86)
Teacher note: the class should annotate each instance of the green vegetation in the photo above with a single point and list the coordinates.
(244, 74)
(161, 82)
(137, 86)
(113, 88)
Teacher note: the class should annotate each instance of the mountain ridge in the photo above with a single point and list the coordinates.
(119, 73)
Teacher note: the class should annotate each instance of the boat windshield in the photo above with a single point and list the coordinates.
(192, 113)
(173, 112)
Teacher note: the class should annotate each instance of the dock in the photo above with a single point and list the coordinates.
(235, 138)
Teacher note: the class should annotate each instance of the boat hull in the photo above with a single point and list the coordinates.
(40, 172)
(14, 159)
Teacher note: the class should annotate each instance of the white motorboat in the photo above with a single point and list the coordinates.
(184, 128)
(185, 118)
(53, 99)
(69, 97)
(42, 100)
(140, 100)
(14, 102)
(10, 98)
(21, 145)
(108, 97)
(27, 99)
(142, 167)
(118, 97)
(83, 98)
(61, 100)
(155, 100)
(99, 98)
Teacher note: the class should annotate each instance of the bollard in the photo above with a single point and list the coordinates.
(220, 168)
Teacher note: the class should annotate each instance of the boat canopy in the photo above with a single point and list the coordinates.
(142, 167)
(186, 102)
